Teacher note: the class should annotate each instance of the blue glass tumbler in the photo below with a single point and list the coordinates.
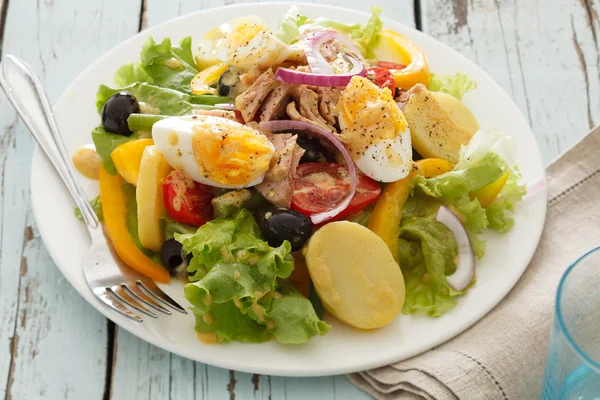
(573, 361)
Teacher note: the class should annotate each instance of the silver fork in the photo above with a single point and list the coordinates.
(114, 283)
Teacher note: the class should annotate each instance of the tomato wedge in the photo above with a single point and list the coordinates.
(390, 65)
(382, 77)
(319, 186)
(187, 201)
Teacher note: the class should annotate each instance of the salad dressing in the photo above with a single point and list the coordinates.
(207, 337)
(87, 161)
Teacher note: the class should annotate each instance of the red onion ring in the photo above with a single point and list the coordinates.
(308, 78)
(465, 268)
(317, 62)
(284, 125)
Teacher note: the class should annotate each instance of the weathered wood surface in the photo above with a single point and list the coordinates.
(53, 345)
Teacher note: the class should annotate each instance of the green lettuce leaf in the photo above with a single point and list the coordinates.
(234, 239)
(295, 318)
(132, 73)
(461, 182)
(105, 143)
(96, 204)
(500, 212)
(365, 37)
(165, 101)
(229, 323)
(455, 85)
(230, 203)
(172, 227)
(235, 290)
(161, 64)
(424, 256)
(288, 25)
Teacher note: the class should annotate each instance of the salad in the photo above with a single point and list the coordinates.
(320, 167)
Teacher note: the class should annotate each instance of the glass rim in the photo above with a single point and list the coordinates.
(558, 311)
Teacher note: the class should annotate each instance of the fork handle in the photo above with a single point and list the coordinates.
(26, 93)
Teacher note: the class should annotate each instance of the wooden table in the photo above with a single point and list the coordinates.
(54, 345)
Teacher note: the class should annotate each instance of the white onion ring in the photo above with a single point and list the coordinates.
(465, 268)
(285, 125)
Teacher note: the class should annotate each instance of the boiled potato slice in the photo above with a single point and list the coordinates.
(434, 132)
(457, 110)
(355, 275)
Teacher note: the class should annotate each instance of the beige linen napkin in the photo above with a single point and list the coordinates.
(503, 356)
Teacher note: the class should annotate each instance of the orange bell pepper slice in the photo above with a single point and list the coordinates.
(114, 208)
(386, 217)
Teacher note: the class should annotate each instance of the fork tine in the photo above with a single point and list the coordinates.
(137, 294)
(119, 293)
(156, 293)
(110, 301)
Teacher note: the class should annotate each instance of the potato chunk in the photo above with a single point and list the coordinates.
(433, 129)
(355, 275)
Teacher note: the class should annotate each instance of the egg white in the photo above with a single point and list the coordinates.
(179, 153)
(376, 164)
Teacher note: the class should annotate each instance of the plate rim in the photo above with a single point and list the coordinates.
(231, 363)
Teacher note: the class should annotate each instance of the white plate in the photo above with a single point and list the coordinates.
(343, 350)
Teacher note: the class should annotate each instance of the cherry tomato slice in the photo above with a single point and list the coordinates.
(390, 65)
(319, 186)
(187, 201)
(382, 77)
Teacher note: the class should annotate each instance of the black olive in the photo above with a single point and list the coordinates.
(229, 82)
(279, 224)
(314, 150)
(116, 110)
(172, 256)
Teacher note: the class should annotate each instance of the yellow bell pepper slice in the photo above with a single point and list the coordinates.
(489, 193)
(386, 217)
(202, 82)
(149, 197)
(430, 167)
(127, 158)
(114, 208)
(407, 53)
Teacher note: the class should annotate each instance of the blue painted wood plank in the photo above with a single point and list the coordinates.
(52, 344)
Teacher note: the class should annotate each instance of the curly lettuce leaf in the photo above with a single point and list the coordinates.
(161, 64)
(455, 85)
(453, 189)
(288, 26)
(235, 291)
(234, 239)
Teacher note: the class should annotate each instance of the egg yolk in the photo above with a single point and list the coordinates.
(231, 156)
(237, 33)
(368, 115)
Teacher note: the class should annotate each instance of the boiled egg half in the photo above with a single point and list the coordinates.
(245, 42)
(374, 131)
(214, 151)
